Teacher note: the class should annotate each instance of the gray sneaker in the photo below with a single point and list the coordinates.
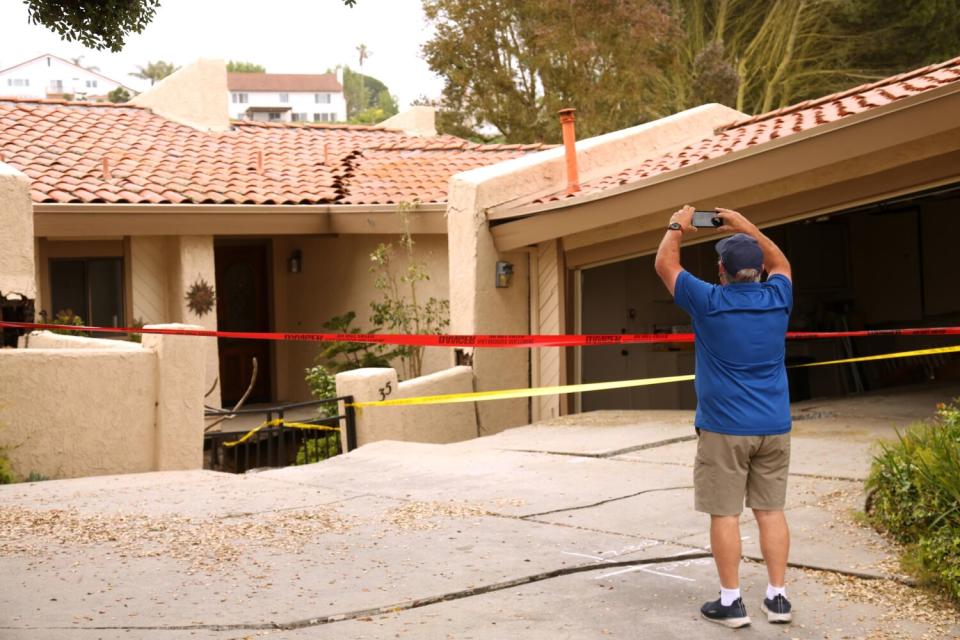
(733, 616)
(778, 609)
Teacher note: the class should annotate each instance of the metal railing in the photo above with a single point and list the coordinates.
(279, 445)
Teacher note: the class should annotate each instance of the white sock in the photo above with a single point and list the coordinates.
(729, 596)
(773, 592)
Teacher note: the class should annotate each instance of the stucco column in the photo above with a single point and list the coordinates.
(191, 265)
(477, 306)
(178, 442)
(17, 267)
(373, 423)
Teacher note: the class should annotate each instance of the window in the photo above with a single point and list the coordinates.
(56, 86)
(284, 97)
(91, 287)
(91, 84)
(18, 82)
(240, 98)
(274, 116)
(316, 117)
(331, 117)
(299, 117)
(321, 98)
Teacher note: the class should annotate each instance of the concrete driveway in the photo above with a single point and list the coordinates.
(579, 528)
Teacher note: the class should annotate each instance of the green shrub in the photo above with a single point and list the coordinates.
(6, 472)
(915, 485)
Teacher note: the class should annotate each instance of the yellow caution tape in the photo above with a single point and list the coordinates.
(504, 394)
(276, 422)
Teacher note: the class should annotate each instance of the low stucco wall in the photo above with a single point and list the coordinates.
(437, 424)
(74, 406)
(17, 270)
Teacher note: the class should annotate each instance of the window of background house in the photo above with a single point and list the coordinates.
(18, 82)
(321, 98)
(331, 117)
(91, 287)
(56, 85)
(240, 98)
(91, 84)
(273, 115)
(284, 97)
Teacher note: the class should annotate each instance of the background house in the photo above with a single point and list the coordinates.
(49, 76)
(286, 97)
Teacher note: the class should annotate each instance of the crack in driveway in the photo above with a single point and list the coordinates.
(610, 454)
(390, 608)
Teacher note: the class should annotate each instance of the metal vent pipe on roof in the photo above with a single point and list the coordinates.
(570, 149)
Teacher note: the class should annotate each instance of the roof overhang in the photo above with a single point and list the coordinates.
(92, 220)
(909, 144)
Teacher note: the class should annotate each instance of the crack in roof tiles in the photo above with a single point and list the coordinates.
(65, 148)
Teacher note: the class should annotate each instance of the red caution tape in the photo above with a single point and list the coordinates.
(483, 341)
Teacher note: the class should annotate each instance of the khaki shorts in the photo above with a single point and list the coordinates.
(727, 467)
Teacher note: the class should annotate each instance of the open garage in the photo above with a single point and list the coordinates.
(887, 265)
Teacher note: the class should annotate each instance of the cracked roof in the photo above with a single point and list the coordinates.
(76, 152)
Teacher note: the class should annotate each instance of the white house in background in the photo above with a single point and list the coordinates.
(286, 97)
(50, 76)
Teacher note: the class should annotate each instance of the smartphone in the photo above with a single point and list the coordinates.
(706, 219)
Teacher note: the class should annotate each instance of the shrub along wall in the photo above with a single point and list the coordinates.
(916, 497)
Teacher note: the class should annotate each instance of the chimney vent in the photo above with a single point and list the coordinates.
(570, 149)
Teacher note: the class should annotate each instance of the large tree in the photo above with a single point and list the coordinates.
(368, 99)
(96, 24)
(513, 63)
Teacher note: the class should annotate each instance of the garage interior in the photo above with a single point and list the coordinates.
(888, 265)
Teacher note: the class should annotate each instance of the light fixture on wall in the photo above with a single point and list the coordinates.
(504, 274)
(295, 261)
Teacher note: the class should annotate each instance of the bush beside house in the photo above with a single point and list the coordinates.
(915, 486)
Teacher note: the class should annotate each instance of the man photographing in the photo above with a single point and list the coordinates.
(743, 404)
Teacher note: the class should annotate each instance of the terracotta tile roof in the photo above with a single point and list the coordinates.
(762, 128)
(291, 82)
(106, 153)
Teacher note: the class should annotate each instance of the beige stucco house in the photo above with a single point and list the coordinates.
(132, 206)
(125, 208)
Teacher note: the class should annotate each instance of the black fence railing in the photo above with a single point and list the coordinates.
(280, 445)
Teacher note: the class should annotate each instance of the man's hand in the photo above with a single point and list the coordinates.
(735, 222)
(684, 217)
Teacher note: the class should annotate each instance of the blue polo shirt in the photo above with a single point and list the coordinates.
(740, 332)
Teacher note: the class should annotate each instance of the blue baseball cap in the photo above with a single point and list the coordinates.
(738, 252)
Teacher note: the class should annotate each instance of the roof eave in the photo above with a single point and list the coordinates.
(515, 225)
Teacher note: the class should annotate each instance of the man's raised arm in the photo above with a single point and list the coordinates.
(667, 262)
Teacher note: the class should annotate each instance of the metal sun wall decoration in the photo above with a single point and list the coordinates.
(200, 297)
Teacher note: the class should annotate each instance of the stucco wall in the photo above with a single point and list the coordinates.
(17, 268)
(74, 406)
(336, 279)
(190, 259)
(192, 96)
(71, 412)
(148, 275)
(440, 423)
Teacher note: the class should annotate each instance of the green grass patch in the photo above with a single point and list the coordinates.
(916, 498)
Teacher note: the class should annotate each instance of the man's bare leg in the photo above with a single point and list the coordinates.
(774, 544)
(725, 543)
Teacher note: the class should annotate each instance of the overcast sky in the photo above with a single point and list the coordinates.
(285, 36)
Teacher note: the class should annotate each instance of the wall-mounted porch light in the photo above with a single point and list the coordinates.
(295, 261)
(504, 274)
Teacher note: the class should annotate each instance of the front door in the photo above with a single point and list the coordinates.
(243, 305)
